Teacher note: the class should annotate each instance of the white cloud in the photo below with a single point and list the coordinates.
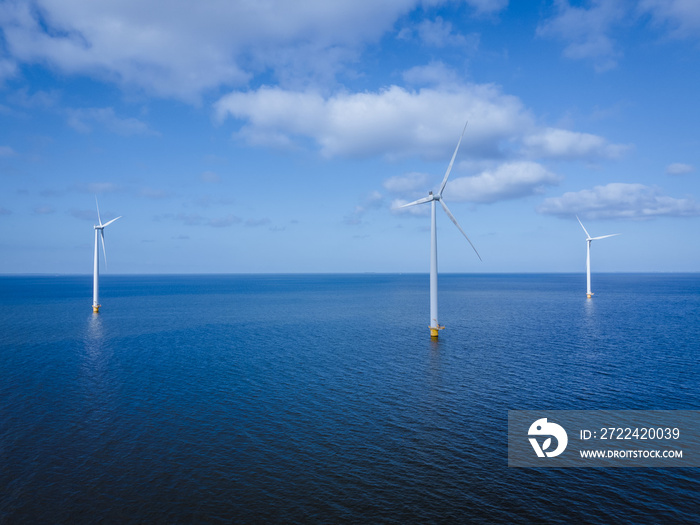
(439, 34)
(393, 122)
(586, 31)
(508, 181)
(7, 151)
(678, 168)
(560, 143)
(433, 74)
(179, 48)
(83, 120)
(682, 16)
(619, 201)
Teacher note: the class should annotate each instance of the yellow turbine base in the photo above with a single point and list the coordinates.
(96, 308)
(434, 332)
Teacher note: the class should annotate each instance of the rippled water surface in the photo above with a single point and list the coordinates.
(320, 398)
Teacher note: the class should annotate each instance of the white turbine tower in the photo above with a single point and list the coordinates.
(432, 199)
(589, 239)
(96, 268)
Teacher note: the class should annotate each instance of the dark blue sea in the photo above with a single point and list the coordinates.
(322, 399)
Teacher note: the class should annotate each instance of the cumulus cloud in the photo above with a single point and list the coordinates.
(83, 120)
(561, 143)
(511, 180)
(397, 122)
(678, 168)
(181, 49)
(619, 201)
(394, 122)
(585, 31)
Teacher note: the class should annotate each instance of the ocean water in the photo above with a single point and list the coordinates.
(321, 398)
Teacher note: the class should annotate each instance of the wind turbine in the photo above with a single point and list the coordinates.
(432, 199)
(96, 268)
(589, 239)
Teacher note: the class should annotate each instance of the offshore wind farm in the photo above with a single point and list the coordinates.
(256, 350)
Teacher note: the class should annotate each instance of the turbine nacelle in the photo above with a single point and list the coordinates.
(101, 227)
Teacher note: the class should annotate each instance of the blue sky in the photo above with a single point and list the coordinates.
(280, 136)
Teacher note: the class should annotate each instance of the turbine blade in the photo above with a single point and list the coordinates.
(110, 222)
(98, 211)
(449, 168)
(452, 218)
(104, 251)
(584, 229)
(419, 201)
(605, 236)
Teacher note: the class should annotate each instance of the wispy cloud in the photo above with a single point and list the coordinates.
(439, 33)
(210, 177)
(564, 144)
(681, 17)
(256, 223)
(44, 210)
(7, 151)
(586, 32)
(619, 201)
(224, 222)
(678, 168)
(373, 201)
(84, 120)
(408, 182)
